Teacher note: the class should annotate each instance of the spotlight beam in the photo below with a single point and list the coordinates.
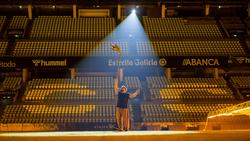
(133, 11)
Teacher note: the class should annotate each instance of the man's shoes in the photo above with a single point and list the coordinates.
(118, 129)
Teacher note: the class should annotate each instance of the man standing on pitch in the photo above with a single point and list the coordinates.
(122, 112)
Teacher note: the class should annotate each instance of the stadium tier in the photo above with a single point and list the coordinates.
(81, 88)
(192, 94)
(11, 83)
(2, 20)
(18, 22)
(160, 88)
(179, 28)
(163, 82)
(66, 27)
(58, 113)
(3, 47)
(191, 48)
(79, 82)
(161, 48)
(68, 94)
(178, 112)
(132, 82)
(66, 48)
(242, 85)
(241, 81)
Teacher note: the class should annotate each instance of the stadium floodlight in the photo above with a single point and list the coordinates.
(133, 11)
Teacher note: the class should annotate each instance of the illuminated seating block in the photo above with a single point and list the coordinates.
(57, 113)
(197, 93)
(133, 82)
(178, 112)
(66, 48)
(79, 82)
(18, 22)
(179, 28)
(241, 81)
(54, 27)
(163, 82)
(191, 48)
(69, 94)
(3, 47)
(12, 82)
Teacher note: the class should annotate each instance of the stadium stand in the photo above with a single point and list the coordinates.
(192, 94)
(242, 85)
(3, 47)
(86, 99)
(179, 28)
(65, 27)
(81, 88)
(52, 115)
(18, 22)
(133, 82)
(163, 82)
(66, 48)
(2, 20)
(241, 81)
(12, 83)
(58, 113)
(79, 82)
(233, 25)
(178, 112)
(68, 94)
(160, 88)
(191, 48)
(9, 89)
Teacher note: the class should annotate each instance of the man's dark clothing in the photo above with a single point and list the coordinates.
(122, 100)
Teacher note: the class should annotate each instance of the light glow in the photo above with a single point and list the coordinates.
(133, 11)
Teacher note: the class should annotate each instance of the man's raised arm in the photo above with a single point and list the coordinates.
(133, 95)
(116, 81)
(116, 85)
